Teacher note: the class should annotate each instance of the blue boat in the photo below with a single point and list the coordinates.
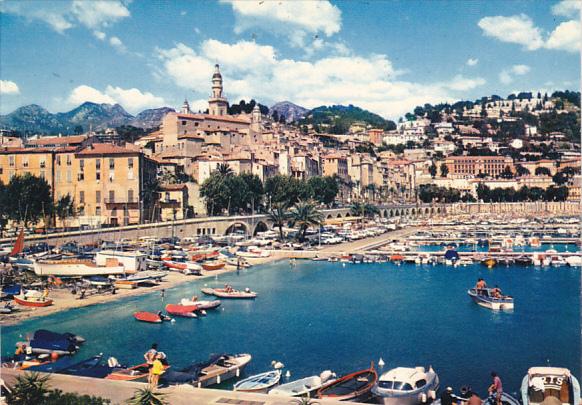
(47, 335)
(487, 298)
(60, 346)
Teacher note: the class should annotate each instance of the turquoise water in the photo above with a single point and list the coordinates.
(321, 315)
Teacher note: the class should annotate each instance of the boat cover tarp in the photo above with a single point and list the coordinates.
(53, 345)
(11, 289)
(191, 372)
(47, 335)
(451, 254)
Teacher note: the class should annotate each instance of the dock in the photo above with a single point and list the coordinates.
(121, 391)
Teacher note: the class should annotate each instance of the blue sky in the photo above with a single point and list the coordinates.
(384, 56)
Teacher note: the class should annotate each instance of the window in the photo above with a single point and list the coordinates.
(420, 383)
(98, 197)
(183, 122)
(82, 164)
(11, 161)
(98, 176)
(69, 160)
(111, 164)
(58, 160)
(130, 175)
(130, 163)
(97, 164)
(42, 163)
(80, 176)
(130, 195)
(81, 211)
(111, 196)
(81, 197)
(98, 211)
(69, 176)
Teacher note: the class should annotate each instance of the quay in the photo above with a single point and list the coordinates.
(121, 391)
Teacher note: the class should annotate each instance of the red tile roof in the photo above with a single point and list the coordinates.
(108, 149)
(58, 140)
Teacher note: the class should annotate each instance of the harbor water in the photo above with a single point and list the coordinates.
(318, 315)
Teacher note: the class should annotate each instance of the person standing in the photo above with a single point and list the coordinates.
(496, 387)
(447, 397)
(156, 371)
(163, 294)
(149, 357)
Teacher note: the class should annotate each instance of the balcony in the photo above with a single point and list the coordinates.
(121, 202)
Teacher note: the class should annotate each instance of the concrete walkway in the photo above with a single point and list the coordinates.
(120, 391)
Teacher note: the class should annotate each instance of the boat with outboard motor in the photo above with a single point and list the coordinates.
(304, 387)
(185, 311)
(151, 317)
(407, 386)
(261, 383)
(549, 385)
(355, 387)
(219, 368)
(137, 373)
(229, 292)
(491, 298)
(200, 304)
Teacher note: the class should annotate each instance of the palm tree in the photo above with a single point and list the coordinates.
(279, 215)
(147, 396)
(305, 214)
(224, 170)
(30, 388)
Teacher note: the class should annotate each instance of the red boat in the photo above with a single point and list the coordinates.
(32, 301)
(204, 256)
(187, 311)
(354, 387)
(147, 317)
(137, 373)
(213, 265)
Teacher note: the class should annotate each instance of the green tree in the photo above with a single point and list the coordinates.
(560, 178)
(444, 170)
(65, 208)
(304, 214)
(507, 173)
(432, 170)
(521, 171)
(323, 189)
(215, 193)
(543, 171)
(29, 198)
(286, 189)
(279, 215)
(4, 208)
(224, 169)
(255, 189)
(30, 388)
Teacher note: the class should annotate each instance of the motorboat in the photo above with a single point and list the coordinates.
(523, 260)
(42, 346)
(464, 262)
(407, 386)
(260, 383)
(354, 387)
(44, 334)
(188, 267)
(185, 311)
(137, 373)
(485, 297)
(558, 261)
(506, 399)
(574, 261)
(151, 317)
(229, 292)
(201, 304)
(32, 298)
(64, 366)
(8, 308)
(238, 262)
(304, 387)
(549, 385)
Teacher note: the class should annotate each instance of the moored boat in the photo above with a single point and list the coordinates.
(260, 383)
(137, 373)
(229, 292)
(550, 385)
(407, 386)
(487, 297)
(304, 387)
(28, 299)
(574, 261)
(490, 262)
(186, 311)
(201, 304)
(352, 387)
(149, 317)
(213, 265)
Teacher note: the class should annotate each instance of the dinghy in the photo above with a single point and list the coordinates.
(354, 387)
(149, 317)
(41, 346)
(219, 368)
(229, 292)
(185, 311)
(212, 265)
(48, 335)
(305, 387)
(201, 304)
(260, 383)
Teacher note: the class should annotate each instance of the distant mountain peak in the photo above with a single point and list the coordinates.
(291, 111)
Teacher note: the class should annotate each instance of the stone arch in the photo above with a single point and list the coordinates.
(385, 213)
(391, 213)
(426, 211)
(329, 216)
(236, 227)
(414, 211)
(260, 227)
(339, 215)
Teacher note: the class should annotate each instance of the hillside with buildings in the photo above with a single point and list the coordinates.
(523, 147)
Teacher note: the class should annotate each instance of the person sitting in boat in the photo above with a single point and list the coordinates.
(496, 292)
(496, 388)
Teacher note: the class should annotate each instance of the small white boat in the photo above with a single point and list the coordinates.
(574, 261)
(260, 383)
(485, 297)
(555, 383)
(307, 386)
(229, 292)
(407, 386)
(201, 304)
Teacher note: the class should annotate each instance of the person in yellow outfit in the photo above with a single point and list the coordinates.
(156, 371)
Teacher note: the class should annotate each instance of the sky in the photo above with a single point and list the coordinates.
(385, 56)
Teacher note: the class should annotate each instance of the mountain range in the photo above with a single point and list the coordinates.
(33, 119)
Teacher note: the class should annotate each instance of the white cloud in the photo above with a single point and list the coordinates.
(461, 83)
(472, 61)
(64, 15)
(567, 36)
(98, 13)
(253, 70)
(133, 99)
(567, 8)
(506, 75)
(9, 87)
(117, 44)
(294, 19)
(517, 29)
(100, 35)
